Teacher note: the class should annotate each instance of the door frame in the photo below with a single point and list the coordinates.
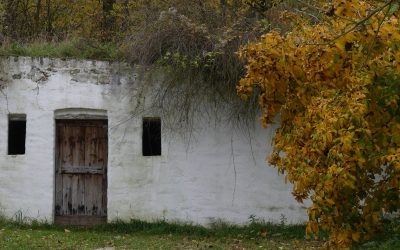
(78, 114)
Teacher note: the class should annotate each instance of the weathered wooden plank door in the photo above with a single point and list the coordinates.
(81, 172)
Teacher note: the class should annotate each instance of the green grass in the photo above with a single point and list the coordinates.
(158, 235)
(162, 235)
(72, 48)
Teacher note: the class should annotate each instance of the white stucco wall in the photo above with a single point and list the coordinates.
(216, 176)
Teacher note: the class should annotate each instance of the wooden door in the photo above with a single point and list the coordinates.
(81, 172)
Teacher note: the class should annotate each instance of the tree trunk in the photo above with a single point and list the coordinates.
(108, 18)
(49, 28)
(222, 5)
(37, 16)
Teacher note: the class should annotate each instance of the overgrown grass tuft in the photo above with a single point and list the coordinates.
(72, 48)
(157, 227)
(33, 224)
(218, 229)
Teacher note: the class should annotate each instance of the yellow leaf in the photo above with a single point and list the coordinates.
(356, 236)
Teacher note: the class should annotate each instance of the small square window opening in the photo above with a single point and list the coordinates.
(151, 138)
(16, 134)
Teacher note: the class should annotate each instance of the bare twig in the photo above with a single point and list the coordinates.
(306, 13)
(377, 33)
(356, 24)
(364, 20)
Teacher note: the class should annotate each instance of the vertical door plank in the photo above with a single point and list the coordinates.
(78, 135)
(68, 141)
(89, 186)
(102, 146)
(58, 161)
(97, 200)
(74, 195)
(81, 195)
(67, 199)
(89, 146)
(103, 157)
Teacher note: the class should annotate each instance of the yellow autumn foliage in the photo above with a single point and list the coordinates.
(334, 87)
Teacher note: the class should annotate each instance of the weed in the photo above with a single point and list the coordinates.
(283, 220)
(71, 48)
(253, 219)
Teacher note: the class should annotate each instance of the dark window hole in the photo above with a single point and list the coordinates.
(151, 139)
(16, 134)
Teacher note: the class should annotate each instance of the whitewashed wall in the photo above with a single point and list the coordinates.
(216, 176)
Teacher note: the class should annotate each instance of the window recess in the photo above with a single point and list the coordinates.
(151, 137)
(16, 134)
